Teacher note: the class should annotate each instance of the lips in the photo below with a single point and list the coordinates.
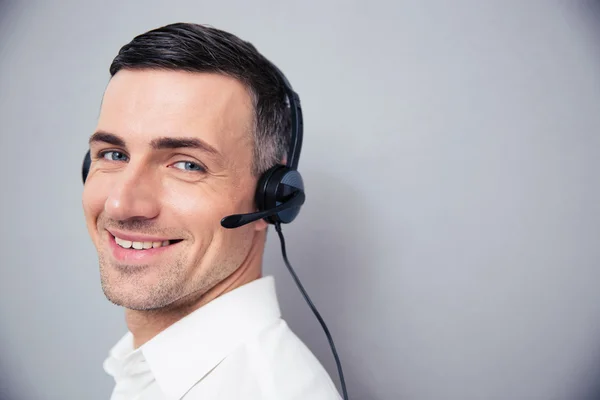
(137, 248)
(128, 244)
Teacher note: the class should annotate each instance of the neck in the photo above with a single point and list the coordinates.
(144, 325)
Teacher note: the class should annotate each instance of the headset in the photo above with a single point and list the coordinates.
(279, 196)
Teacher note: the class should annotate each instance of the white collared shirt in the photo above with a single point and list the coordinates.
(235, 347)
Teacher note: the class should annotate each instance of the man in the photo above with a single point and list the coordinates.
(190, 119)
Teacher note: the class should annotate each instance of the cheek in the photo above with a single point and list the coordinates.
(203, 204)
(93, 199)
(196, 212)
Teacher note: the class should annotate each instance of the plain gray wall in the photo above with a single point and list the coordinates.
(451, 156)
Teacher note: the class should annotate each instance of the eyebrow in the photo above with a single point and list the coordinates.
(107, 138)
(158, 143)
(183, 142)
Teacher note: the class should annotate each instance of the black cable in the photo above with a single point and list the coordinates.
(314, 310)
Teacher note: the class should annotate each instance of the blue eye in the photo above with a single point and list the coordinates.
(114, 156)
(189, 166)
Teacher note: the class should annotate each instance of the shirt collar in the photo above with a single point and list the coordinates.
(186, 351)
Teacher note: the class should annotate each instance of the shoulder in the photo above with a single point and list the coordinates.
(286, 367)
(271, 365)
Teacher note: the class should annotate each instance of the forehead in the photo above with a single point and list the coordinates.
(139, 105)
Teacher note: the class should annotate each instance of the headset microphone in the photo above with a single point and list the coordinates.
(235, 221)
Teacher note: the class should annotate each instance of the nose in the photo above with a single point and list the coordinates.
(134, 195)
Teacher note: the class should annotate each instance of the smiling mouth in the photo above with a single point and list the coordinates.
(128, 244)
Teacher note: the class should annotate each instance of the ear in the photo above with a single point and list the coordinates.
(260, 225)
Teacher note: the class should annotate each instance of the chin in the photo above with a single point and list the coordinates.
(137, 289)
(133, 300)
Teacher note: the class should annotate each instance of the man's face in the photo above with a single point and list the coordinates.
(172, 156)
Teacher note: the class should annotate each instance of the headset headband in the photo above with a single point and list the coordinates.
(295, 146)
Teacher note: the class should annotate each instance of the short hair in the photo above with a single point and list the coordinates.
(200, 48)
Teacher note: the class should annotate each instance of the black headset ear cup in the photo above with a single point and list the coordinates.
(275, 186)
(261, 187)
(85, 168)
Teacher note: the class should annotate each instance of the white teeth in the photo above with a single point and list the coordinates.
(127, 244)
(123, 243)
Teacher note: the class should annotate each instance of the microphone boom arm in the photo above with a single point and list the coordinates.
(237, 220)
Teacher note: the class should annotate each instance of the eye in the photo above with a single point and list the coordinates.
(189, 166)
(113, 156)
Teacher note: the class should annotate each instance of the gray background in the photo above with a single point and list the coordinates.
(451, 233)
